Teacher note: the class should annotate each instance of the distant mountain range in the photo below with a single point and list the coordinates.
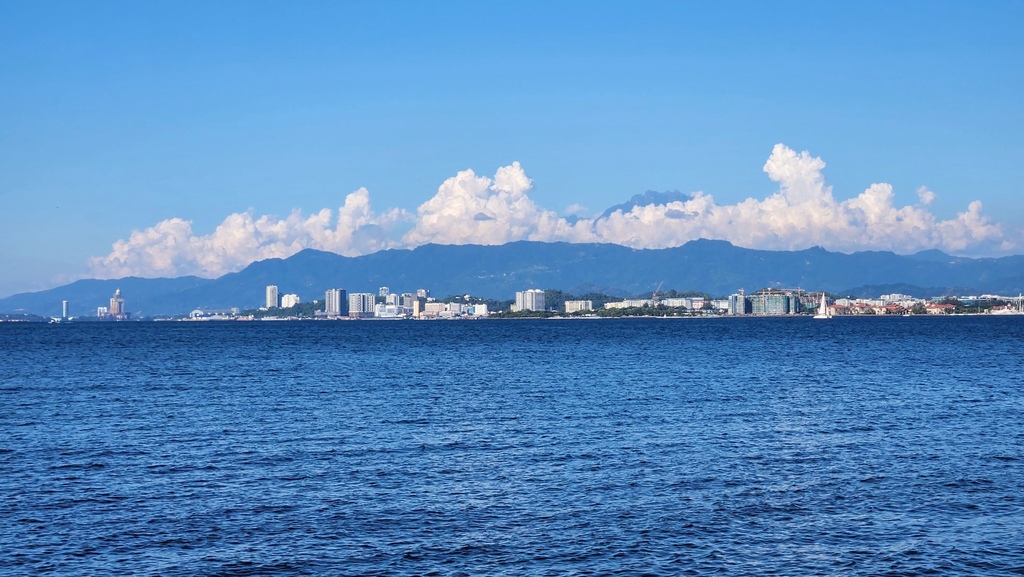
(497, 272)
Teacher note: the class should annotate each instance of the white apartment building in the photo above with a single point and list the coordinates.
(433, 309)
(335, 302)
(290, 300)
(578, 306)
(271, 296)
(389, 311)
(530, 300)
(361, 304)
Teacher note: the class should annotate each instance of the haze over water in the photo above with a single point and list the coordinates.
(665, 447)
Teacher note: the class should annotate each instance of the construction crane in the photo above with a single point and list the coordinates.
(654, 295)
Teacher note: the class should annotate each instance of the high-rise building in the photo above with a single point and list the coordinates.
(64, 309)
(336, 302)
(773, 302)
(422, 293)
(290, 300)
(383, 291)
(361, 304)
(739, 304)
(271, 296)
(530, 300)
(407, 300)
(117, 304)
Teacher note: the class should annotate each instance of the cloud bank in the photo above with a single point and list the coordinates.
(472, 209)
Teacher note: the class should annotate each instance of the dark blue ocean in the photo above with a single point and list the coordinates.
(853, 446)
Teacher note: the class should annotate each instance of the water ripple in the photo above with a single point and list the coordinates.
(632, 447)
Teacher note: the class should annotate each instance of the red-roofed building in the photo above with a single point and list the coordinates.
(940, 309)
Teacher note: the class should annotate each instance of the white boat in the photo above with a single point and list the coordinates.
(823, 312)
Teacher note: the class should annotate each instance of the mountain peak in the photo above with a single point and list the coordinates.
(651, 197)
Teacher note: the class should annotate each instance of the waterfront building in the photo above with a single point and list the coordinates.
(630, 303)
(432, 309)
(530, 300)
(477, 310)
(388, 311)
(117, 305)
(64, 310)
(383, 291)
(578, 306)
(102, 311)
(290, 300)
(940, 309)
(393, 299)
(407, 300)
(896, 298)
(336, 302)
(271, 296)
(739, 304)
(678, 302)
(361, 304)
(774, 302)
(213, 314)
(422, 293)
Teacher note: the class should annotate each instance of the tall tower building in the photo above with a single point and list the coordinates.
(272, 296)
(530, 300)
(117, 304)
(64, 309)
(336, 302)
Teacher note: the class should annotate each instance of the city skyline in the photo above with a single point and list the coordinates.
(133, 147)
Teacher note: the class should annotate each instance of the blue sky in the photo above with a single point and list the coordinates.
(117, 117)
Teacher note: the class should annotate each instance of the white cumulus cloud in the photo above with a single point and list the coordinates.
(171, 248)
(925, 195)
(472, 209)
(801, 214)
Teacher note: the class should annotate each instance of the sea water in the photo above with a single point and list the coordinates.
(518, 447)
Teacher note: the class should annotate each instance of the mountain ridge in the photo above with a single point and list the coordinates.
(497, 271)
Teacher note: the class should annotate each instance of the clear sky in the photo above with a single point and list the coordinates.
(173, 119)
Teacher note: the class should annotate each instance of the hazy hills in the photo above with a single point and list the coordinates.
(716, 267)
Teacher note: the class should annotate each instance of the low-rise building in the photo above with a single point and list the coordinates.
(578, 306)
(630, 303)
(940, 309)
